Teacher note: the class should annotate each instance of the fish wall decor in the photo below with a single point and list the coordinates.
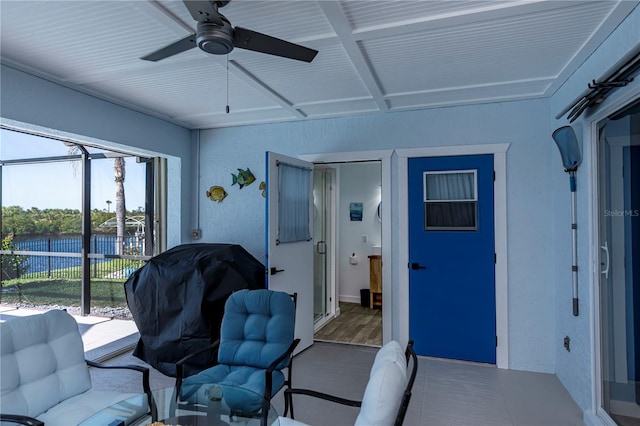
(243, 178)
(263, 188)
(217, 193)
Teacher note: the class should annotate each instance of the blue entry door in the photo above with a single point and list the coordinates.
(452, 308)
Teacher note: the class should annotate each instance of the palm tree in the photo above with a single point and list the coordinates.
(121, 211)
(108, 206)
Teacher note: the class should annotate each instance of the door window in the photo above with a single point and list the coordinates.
(450, 201)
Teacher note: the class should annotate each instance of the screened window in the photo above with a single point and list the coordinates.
(74, 224)
(450, 200)
(293, 209)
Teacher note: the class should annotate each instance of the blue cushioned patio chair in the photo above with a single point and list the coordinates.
(256, 343)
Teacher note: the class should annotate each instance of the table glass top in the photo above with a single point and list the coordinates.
(213, 404)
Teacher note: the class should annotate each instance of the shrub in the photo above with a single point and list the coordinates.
(13, 265)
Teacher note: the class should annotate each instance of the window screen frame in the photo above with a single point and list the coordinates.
(474, 199)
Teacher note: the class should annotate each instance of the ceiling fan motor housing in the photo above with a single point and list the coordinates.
(215, 39)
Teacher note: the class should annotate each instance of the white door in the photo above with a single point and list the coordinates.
(290, 265)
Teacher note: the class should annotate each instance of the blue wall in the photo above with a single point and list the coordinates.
(525, 125)
(36, 102)
(575, 368)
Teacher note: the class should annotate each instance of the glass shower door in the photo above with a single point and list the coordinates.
(619, 286)
(322, 205)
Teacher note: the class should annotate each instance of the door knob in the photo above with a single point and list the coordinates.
(415, 266)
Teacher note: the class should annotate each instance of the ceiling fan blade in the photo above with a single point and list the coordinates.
(258, 42)
(179, 46)
(203, 11)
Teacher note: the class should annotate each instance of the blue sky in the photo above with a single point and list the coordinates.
(58, 185)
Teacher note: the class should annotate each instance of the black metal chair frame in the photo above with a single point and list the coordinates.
(213, 347)
(406, 397)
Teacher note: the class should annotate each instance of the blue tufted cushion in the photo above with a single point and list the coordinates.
(249, 378)
(257, 327)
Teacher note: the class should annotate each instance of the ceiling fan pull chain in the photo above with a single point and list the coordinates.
(227, 84)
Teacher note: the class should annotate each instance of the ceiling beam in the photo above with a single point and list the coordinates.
(341, 26)
(160, 13)
(257, 84)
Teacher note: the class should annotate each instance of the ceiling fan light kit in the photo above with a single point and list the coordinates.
(215, 39)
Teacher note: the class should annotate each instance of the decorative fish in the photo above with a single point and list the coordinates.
(217, 193)
(263, 188)
(244, 178)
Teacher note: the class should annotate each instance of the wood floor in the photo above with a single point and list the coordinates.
(355, 324)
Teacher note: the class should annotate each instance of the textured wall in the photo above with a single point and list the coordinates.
(575, 368)
(525, 124)
(35, 101)
(358, 183)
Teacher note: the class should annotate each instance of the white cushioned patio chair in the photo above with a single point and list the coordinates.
(45, 380)
(387, 394)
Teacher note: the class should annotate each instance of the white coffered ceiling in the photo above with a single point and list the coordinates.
(374, 56)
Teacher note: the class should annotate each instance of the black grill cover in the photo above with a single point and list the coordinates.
(177, 301)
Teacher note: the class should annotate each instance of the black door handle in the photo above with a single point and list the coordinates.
(415, 266)
(275, 271)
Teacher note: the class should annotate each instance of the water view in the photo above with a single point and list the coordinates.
(41, 261)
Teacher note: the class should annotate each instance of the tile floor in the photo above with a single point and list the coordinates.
(446, 393)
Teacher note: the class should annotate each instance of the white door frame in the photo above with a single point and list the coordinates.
(499, 152)
(590, 128)
(384, 156)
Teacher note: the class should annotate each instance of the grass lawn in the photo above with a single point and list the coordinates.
(63, 292)
(98, 269)
(63, 288)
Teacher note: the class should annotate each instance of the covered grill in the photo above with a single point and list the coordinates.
(177, 300)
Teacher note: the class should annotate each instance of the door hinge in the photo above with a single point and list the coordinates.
(496, 341)
(494, 176)
(495, 258)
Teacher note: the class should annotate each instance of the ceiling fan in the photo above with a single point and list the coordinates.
(216, 35)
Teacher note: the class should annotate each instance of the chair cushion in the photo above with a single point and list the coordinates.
(78, 408)
(249, 378)
(41, 363)
(384, 391)
(390, 352)
(257, 327)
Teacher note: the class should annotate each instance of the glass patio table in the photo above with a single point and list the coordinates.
(213, 404)
(200, 405)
